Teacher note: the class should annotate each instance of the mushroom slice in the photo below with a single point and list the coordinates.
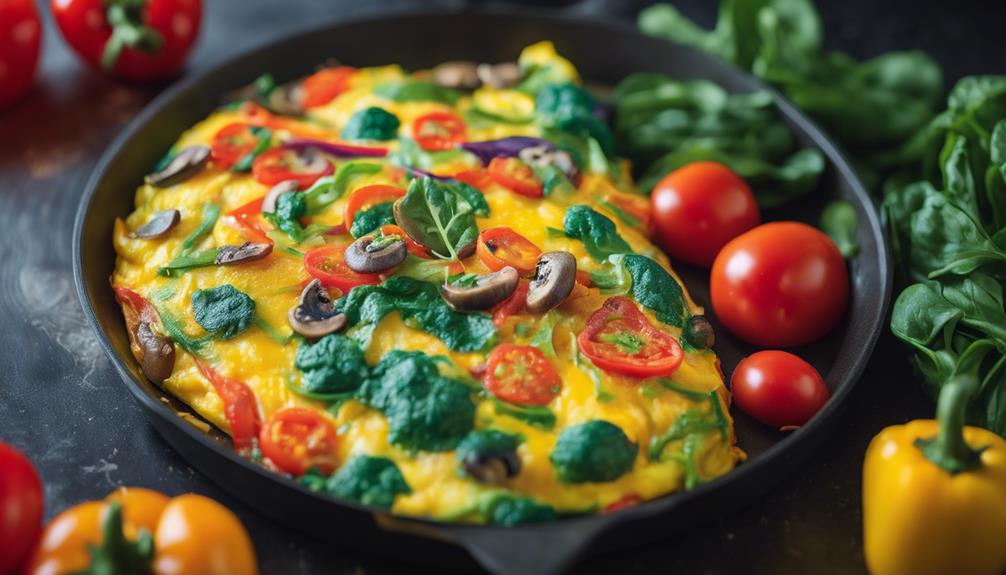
(699, 332)
(547, 156)
(315, 316)
(183, 166)
(553, 281)
(284, 187)
(481, 291)
(246, 252)
(458, 74)
(501, 76)
(158, 353)
(287, 99)
(369, 254)
(159, 225)
(492, 467)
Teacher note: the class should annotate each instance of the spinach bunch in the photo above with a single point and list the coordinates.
(663, 124)
(595, 451)
(333, 364)
(371, 123)
(870, 106)
(949, 233)
(368, 480)
(223, 311)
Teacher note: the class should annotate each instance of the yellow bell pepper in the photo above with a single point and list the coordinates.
(934, 495)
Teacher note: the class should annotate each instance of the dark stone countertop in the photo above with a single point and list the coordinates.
(62, 403)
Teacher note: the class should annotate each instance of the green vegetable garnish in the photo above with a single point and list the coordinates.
(595, 451)
(371, 124)
(598, 234)
(223, 311)
(374, 481)
(438, 216)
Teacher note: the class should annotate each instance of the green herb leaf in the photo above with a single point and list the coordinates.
(598, 234)
(839, 221)
(437, 216)
(223, 311)
(330, 188)
(371, 123)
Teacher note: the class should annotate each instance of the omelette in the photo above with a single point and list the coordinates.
(430, 293)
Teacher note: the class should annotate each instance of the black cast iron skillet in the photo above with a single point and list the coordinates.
(604, 53)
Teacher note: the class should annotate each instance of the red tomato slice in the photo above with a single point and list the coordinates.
(325, 85)
(476, 178)
(511, 305)
(514, 174)
(253, 225)
(232, 143)
(368, 196)
(501, 247)
(438, 131)
(296, 439)
(414, 247)
(240, 407)
(281, 164)
(618, 338)
(637, 207)
(326, 264)
(521, 374)
(627, 501)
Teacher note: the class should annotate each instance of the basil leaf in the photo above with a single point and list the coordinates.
(437, 216)
(839, 221)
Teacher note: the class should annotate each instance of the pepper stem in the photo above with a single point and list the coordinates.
(948, 449)
(128, 31)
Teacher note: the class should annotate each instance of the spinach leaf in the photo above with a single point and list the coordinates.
(223, 311)
(571, 108)
(369, 480)
(656, 290)
(839, 221)
(437, 216)
(371, 123)
(598, 234)
(330, 188)
(595, 451)
(420, 306)
(472, 195)
(417, 91)
(333, 364)
(290, 207)
(425, 410)
(372, 218)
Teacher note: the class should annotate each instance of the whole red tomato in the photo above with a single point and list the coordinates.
(700, 207)
(20, 508)
(134, 39)
(20, 35)
(778, 388)
(780, 284)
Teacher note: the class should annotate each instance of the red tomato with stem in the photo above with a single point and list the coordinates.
(501, 247)
(778, 388)
(20, 508)
(325, 85)
(281, 164)
(20, 38)
(438, 131)
(700, 207)
(327, 264)
(368, 196)
(780, 284)
(146, 41)
(618, 338)
(515, 175)
(521, 374)
(296, 439)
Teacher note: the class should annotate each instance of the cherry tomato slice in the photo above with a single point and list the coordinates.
(636, 207)
(325, 85)
(253, 226)
(475, 178)
(326, 264)
(368, 196)
(511, 305)
(501, 247)
(618, 338)
(296, 439)
(521, 374)
(240, 407)
(232, 143)
(281, 164)
(514, 174)
(438, 131)
(414, 247)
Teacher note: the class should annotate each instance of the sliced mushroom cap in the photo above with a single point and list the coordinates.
(458, 74)
(501, 76)
(159, 225)
(547, 156)
(246, 252)
(287, 99)
(315, 316)
(699, 332)
(554, 277)
(492, 467)
(369, 256)
(183, 166)
(284, 187)
(483, 292)
(158, 353)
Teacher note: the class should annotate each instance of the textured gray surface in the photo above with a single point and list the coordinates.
(62, 404)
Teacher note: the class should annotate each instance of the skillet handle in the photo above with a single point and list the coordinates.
(530, 549)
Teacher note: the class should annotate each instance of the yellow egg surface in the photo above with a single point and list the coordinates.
(605, 400)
